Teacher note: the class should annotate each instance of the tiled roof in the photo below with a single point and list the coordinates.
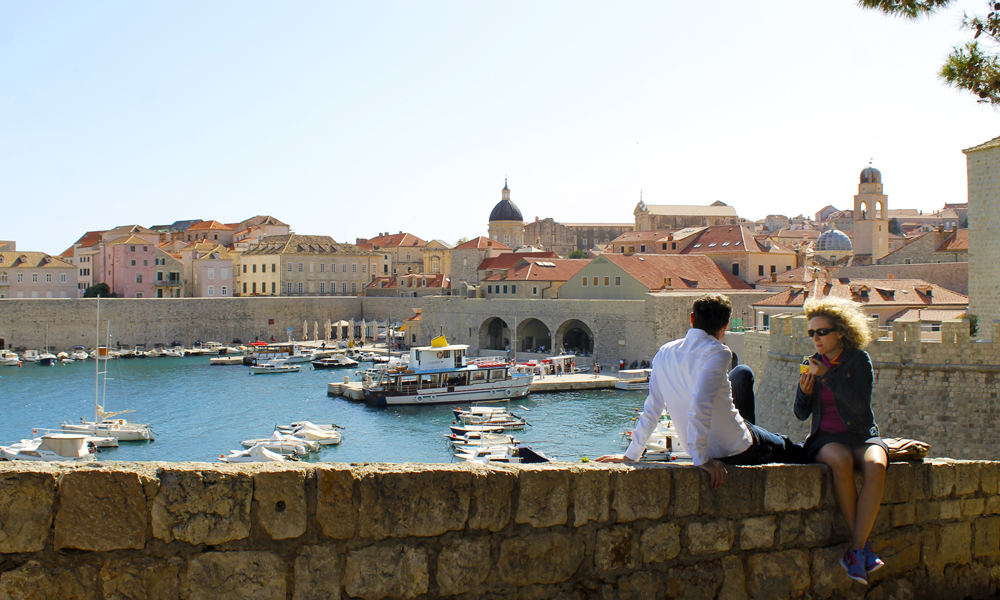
(32, 260)
(542, 269)
(651, 236)
(89, 239)
(209, 225)
(984, 146)
(303, 244)
(928, 314)
(410, 280)
(128, 230)
(397, 240)
(440, 243)
(509, 259)
(725, 239)
(957, 242)
(684, 271)
(798, 275)
(592, 225)
(482, 243)
(880, 292)
(130, 240)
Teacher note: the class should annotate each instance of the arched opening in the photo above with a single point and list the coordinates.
(880, 209)
(533, 336)
(494, 334)
(575, 337)
(863, 208)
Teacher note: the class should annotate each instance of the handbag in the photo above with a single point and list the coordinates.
(902, 449)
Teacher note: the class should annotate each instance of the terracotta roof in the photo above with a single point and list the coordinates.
(303, 244)
(726, 239)
(130, 240)
(209, 225)
(32, 260)
(798, 275)
(90, 238)
(542, 269)
(129, 230)
(928, 314)
(426, 280)
(590, 225)
(684, 271)
(880, 292)
(482, 243)
(957, 242)
(397, 240)
(652, 236)
(509, 259)
(796, 234)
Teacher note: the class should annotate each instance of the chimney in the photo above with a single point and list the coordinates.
(890, 276)
(536, 218)
(940, 228)
(668, 283)
(829, 277)
(774, 277)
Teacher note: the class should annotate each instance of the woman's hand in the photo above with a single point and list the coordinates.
(806, 382)
(817, 368)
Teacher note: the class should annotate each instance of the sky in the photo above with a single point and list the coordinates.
(352, 118)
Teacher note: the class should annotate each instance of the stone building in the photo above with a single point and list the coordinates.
(307, 265)
(36, 275)
(937, 246)
(127, 265)
(632, 277)
(212, 232)
(664, 216)
(564, 238)
(871, 220)
(983, 164)
(413, 285)
(437, 257)
(465, 261)
(401, 252)
(169, 282)
(531, 277)
(506, 223)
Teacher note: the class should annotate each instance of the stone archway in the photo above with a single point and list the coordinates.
(532, 335)
(494, 334)
(575, 336)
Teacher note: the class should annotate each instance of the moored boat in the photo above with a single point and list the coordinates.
(50, 447)
(9, 358)
(633, 379)
(336, 361)
(258, 453)
(274, 366)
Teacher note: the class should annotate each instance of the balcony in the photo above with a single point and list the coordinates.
(168, 283)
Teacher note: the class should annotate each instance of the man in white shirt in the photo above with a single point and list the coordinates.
(690, 379)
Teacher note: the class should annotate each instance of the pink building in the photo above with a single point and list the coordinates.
(129, 267)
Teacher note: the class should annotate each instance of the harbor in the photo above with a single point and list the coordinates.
(566, 382)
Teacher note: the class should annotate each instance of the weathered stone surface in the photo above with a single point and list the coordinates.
(617, 550)
(741, 495)
(642, 493)
(973, 507)
(942, 479)
(790, 528)
(966, 478)
(701, 580)
(317, 573)
(989, 477)
(380, 571)
(335, 508)
(709, 538)
(660, 542)
(757, 532)
(791, 488)
(492, 492)
(639, 586)
(950, 544)
(590, 494)
(463, 566)
(903, 514)
(397, 504)
(141, 579)
(236, 576)
(779, 574)
(101, 510)
(827, 576)
(928, 512)
(950, 509)
(987, 537)
(992, 506)
(544, 496)
(687, 490)
(279, 497)
(734, 581)
(26, 509)
(32, 581)
(198, 506)
(898, 483)
(540, 557)
(900, 551)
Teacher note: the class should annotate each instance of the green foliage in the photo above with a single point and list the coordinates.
(894, 227)
(461, 241)
(578, 254)
(100, 289)
(973, 324)
(910, 9)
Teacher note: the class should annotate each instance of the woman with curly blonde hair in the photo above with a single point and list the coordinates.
(836, 389)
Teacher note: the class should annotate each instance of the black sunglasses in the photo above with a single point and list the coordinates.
(821, 332)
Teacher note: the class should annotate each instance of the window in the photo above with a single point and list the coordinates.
(300, 267)
(664, 245)
(3, 276)
(131, 248)
(584, 282)
(34, 278)
(505, 289)
(253, 269)
(343, 288)
(225, 273)
(595, 281)
(300, 287)
(244, 288)
(489, 289)
(211, 290)
(760, 270)
(289, 268)
(138, 294)
(774, 269)
(584, 242)
(673, 245)
(534, 290)
(273, 267)
(354, 288)
(244, 268)
(513, 289)
(272, 287)
(145, 263)
(736, 269)
(322, 267)
(48, 278)
(288, 289)
(211, 273)
(642, 247)
(354, 267)
(322, 287)
(618, 280)
(145, 248)
(364, 268)
(788, 267)
(607, 281)
(253, 288)
(907, 261)
(133, 263)
(19, 276)
(138, 277)
(343, 268)
(385, 268)
(407, 256)
(712, 245)
(312, 267)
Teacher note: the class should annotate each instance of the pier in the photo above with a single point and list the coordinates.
(550, 383)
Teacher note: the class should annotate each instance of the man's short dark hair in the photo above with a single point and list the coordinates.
(711, 313)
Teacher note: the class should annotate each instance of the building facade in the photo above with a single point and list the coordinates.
(307, 265)
(664, 216)
(36, 275)
(506, 224)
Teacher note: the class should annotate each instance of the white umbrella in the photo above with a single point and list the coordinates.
(350, 331)
(327, 330)
(315, 330)
(364, 331)
(305, 330)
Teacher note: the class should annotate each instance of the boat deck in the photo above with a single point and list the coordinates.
(550, 383)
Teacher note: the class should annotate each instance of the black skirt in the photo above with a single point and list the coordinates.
(819, 439)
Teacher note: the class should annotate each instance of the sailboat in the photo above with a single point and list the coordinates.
(105, 424)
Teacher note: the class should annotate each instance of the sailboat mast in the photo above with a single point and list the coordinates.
(97, 357)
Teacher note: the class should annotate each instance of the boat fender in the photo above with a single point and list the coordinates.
(419, 398)
(509, 392)
(493, 392)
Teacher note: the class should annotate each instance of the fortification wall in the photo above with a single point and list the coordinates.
(944, 393)
(193, 531)
(953, 275)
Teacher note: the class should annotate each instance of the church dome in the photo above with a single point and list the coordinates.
(871, 175)
(505, 210)
(833, 240)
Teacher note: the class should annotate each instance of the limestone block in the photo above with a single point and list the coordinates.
(819, 527)
(790, 528)
(950, 544)
(757, 532)
(966, 477)
(26, 510)
(942, 476)
(903, 514)
(950, 509)
(617, 550)
(279, 497)
(590, 494)
(236, 576)
(492, 493)
(987, 537)
(545, 556)
(928, 512)
(642, 492)
(899, 550)
(709, 538)
(779, 574)
(898, 483)
(101, 510)
(992, 506)
(700, 580)
(687, 487)
(463, 566)
(141, 578)
(317, 573)
(335, 510)
(544, 496)
(989, 477)
(973, 507)
(32, 581)
(660, 542)
(412, 500)
(742, 494)
(202, 507)
(639, 586)
(791, 488)
(734, 581)
(827, 576)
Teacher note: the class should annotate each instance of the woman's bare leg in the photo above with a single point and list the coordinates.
(872, 462)
(840, 459)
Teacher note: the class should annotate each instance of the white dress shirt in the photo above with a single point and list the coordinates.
(690, 378)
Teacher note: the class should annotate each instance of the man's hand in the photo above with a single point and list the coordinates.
(614, 458)
(716, 470)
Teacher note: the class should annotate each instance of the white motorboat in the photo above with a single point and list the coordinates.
(291, 353)
(47, 359)
(277, 365)
(499, 418)
(226, 360)
(175, 352)
(50, 447)
(284, 444)
(9, 358)
(633, 379)
(257, 453)
(481, 439)
(79, 353)
(321, 434)
(518, 454)
(97, 442)
(30, 356)
(336, 361)
(465, 429)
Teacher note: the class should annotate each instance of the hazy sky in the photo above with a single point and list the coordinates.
(350, 118)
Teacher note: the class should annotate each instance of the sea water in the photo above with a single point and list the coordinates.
(201, 411)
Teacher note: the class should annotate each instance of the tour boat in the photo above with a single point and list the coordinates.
(257, 453)
(441, 373)
(50, 447)
(633, 379)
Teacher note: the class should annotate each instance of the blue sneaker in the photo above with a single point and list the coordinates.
(854, 562)
(872, 562)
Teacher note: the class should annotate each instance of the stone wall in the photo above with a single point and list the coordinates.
(149, 321)
(943, 392)
(954, 276)
(193, 531)
(983, 167)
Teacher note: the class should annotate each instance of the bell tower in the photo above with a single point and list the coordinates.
(871, 216)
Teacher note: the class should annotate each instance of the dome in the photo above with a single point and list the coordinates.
(833, 241)
(505, 210)
(871, 175)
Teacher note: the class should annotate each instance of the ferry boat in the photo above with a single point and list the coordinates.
(633, 379)
(442, 373)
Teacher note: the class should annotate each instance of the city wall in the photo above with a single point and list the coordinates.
(953, 275)
(942, 392)
(148, 321)
(200, 531)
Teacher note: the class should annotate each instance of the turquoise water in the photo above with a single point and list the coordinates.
(200, 412)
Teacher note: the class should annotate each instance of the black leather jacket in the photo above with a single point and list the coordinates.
(851, 382)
